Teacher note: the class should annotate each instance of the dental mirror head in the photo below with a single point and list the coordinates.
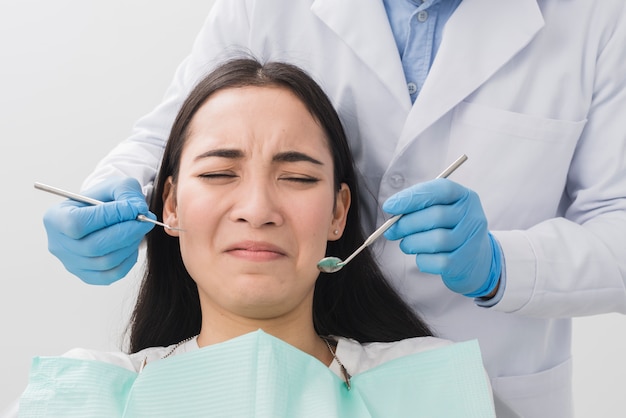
(330, 264)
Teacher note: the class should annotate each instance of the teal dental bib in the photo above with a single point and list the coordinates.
(257, 375)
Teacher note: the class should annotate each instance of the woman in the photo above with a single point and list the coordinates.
(256, 183)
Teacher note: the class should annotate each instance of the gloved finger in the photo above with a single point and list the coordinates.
(448, 240)
(433, 217)
(123, 199)
(119, 189)
(87, 261)
(100, 242)
(75, 220)
(423, 195)
(438, 240)
(106, 277)
(432, 263)
(441, 262)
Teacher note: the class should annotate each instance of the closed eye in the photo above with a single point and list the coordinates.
(308, 180)
(218, 178)
(217, 175)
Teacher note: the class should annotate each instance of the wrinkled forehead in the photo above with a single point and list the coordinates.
(260, 121)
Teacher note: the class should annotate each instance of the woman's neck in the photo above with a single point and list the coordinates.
(294, 331)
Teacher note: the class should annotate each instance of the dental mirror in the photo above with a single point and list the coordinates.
(334, 264)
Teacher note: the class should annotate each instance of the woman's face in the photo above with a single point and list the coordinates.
(256, 201)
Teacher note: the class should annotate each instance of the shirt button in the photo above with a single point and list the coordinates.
(412, 88)
(396, 181)
(422, 16)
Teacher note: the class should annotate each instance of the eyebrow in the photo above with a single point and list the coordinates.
(284, 157)
(222, 153)
(294, 157)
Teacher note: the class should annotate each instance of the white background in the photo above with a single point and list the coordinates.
(74, 76)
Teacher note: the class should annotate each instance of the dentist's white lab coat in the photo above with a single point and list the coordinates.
(534, 92)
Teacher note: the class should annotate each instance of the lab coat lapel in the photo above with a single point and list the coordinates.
(375, 45)
(499, 30)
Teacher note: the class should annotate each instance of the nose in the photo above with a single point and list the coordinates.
(258, 205)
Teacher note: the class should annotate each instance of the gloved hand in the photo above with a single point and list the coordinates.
(100, 243)
(445, 226)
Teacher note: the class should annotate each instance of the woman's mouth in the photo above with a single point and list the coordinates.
(256, 251)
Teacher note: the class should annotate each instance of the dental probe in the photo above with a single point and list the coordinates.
(90, 201)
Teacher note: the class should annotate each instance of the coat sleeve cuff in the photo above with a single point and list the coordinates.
(519, 273)
(492, 301)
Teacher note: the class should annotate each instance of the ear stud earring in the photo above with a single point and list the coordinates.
(336, 232)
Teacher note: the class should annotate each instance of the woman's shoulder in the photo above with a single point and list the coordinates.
(133, 361)
(127, 361)
(358, 357)
(407, 346)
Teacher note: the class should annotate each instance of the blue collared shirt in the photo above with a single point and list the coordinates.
(417, 27)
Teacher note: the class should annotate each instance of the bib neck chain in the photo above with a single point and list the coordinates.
(169, 353)
(344, 371)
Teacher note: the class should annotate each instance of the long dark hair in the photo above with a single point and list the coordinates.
(356, 302)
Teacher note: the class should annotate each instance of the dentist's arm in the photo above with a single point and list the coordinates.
(99, 244)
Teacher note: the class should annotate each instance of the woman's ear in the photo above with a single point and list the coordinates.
(340, 214)
(170, 215)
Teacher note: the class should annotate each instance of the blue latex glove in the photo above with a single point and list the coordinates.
(100, 243)
(445, 226)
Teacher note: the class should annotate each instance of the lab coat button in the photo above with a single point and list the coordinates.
(422, 16)
(412, 87)
(396, 181)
